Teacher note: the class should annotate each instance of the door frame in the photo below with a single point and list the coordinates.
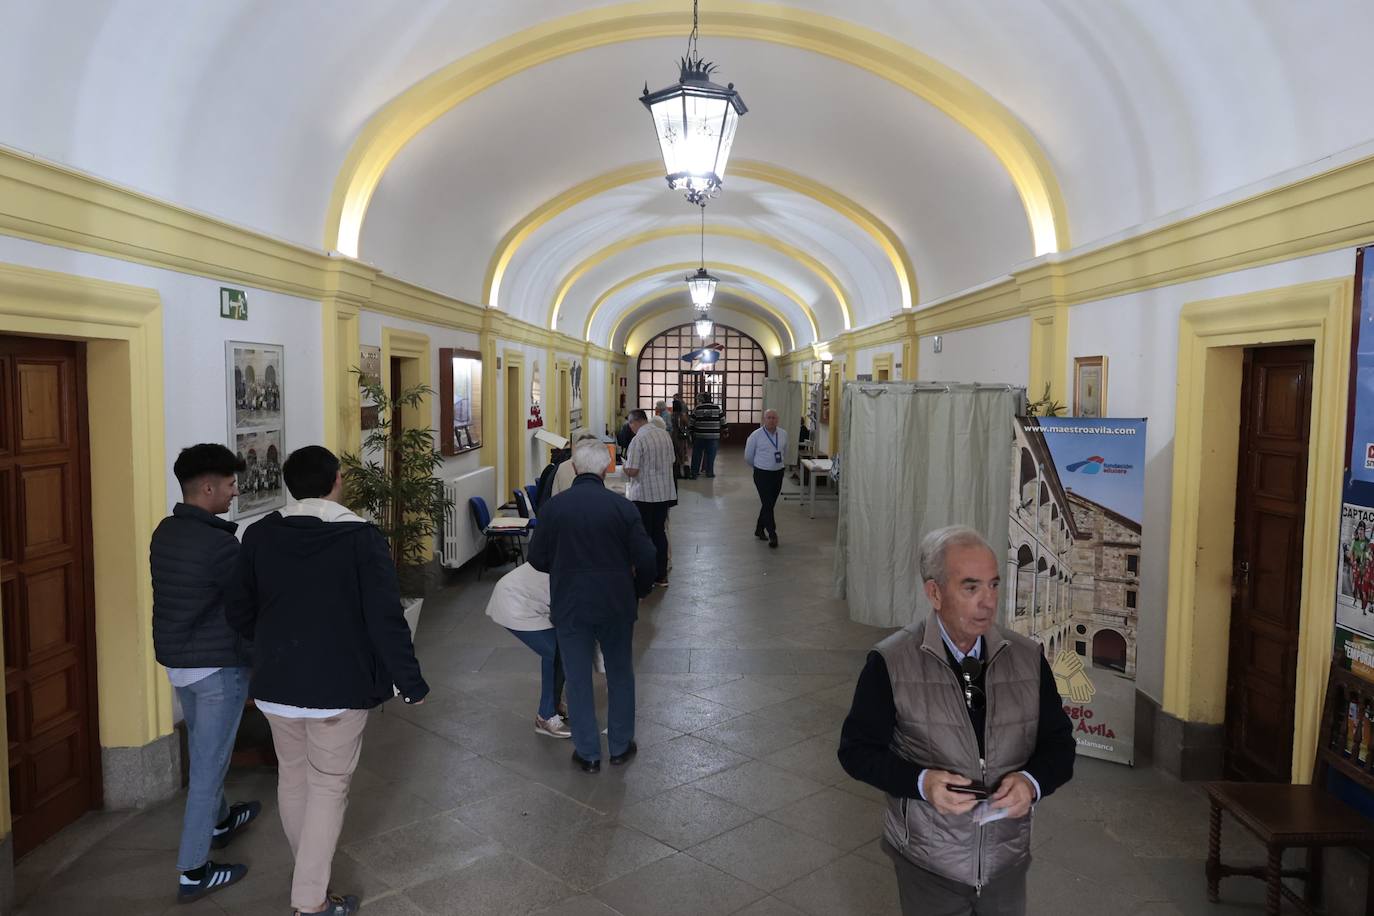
(122, 327)
(516, 432)
(1213, 335)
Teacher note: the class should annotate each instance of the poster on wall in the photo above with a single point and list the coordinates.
(1354, 648)
(575, 381)
(1073, 567)
(256, 386)
(536, 418)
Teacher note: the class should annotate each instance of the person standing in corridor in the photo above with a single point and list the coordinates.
(763, 451)
(649, 465)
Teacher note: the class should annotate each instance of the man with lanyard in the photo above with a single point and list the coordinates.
(961, 725)
(764, 450)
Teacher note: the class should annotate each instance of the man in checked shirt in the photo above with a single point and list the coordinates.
(649, 466)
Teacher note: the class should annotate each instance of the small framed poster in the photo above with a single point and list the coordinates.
(256, 383)
(1089, 386)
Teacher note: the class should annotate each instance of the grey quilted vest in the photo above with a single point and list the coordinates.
(933, 730)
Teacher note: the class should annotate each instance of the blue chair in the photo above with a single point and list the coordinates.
(524, 505)
(481, 516)
(532, 491)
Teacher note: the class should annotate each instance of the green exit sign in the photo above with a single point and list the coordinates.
(233, 303)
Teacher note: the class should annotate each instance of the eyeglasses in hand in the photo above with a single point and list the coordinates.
(972, 670)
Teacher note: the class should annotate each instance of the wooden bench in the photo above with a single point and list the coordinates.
(1289, 816)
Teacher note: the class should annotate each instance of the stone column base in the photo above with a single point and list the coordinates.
(135, 777)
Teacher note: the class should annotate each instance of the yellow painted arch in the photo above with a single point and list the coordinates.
(730, 231)
(882, 235)
(685, 305)
(391, 128)
(678, 306)
(715, 267)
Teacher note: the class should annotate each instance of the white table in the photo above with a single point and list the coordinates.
(813, 467)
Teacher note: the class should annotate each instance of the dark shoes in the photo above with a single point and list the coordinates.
(772, 539)
(588, 766)
(336, 906)
(240, 816)
(759, 533)
(625, 755)
(214, 877)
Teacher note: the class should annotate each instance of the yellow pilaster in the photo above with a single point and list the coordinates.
(490, 378)
(348, 286)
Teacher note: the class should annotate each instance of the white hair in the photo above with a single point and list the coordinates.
(589, 456)
(657, 420)
(935, 546)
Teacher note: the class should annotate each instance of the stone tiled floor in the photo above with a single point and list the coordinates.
(735, 804)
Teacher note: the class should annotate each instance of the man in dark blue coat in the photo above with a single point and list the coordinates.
(194, 559)
(600, 562)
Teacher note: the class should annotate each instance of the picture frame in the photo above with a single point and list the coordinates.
(460, 400)
(1089, 386)
(256, 389)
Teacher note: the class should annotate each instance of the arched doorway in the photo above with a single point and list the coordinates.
(1109, 650)
(731, 367)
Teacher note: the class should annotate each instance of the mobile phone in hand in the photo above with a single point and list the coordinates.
(976, 790)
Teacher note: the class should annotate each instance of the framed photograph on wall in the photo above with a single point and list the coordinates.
(256, 401)
(460, 400)
(1089, 386)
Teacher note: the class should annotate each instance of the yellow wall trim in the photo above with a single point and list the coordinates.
(391, 128)
(1212, 337)
(806, 260)
(122, 326)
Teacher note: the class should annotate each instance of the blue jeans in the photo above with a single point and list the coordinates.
(545, 643)
(578, 645)
(212, 707)
(704, 456)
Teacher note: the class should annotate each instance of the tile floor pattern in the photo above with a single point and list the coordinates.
(735, 803)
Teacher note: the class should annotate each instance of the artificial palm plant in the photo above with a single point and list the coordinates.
(392, 481)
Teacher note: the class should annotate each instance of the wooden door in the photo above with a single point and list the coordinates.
(45, 586)
(1271, 496)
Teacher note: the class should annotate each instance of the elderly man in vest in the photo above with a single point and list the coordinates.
(961, 724)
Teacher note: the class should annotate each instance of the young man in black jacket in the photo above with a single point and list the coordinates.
(320, 601)
(194, 559)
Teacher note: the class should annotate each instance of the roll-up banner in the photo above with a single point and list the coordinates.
(1072, 581)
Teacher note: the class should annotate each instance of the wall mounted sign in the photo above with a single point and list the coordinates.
(370, 365)
(233, 304)
(1089, 386)
(536, 419)
(257, 410)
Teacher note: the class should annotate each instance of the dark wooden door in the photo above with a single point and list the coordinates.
(1271, 497)
(48, 609)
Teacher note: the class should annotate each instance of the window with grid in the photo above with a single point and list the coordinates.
(735, 380)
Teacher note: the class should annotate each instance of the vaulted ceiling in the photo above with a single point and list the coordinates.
(895, 152)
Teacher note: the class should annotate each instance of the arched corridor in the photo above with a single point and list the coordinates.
(735, 804)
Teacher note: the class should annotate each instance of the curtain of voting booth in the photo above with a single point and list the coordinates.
(914, 457)
(786, 398)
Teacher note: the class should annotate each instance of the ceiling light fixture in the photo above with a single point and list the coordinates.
(704, 326)
(701, 284)
(695, 121)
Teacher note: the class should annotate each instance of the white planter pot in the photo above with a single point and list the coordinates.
(411, 608)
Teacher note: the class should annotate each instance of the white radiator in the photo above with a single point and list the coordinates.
(462, 540)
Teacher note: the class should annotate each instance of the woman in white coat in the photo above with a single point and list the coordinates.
(520, 603)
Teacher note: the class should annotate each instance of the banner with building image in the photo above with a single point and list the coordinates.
(1073, 567)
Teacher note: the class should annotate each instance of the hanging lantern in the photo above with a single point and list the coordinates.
(702, 286)
(695, 123)
(704, 326)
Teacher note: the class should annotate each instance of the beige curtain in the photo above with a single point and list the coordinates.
(913, 457)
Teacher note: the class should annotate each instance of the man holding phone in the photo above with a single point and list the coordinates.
(958, 825)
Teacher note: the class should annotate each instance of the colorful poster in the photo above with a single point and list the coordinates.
(1073, 567)
(1354, 647)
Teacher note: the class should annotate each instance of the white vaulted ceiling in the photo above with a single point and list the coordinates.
(854, 197)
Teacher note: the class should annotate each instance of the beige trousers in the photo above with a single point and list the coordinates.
(315, 763)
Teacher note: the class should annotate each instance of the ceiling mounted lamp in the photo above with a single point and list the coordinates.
(695, 121)
(704, 326)
(701, 284)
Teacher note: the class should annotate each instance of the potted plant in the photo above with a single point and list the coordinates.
(392, 482)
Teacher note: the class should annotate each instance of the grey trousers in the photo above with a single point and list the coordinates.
(925, 893)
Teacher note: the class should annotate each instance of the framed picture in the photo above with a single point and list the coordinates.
(256, 401)
(1089, 386)
(460, 400)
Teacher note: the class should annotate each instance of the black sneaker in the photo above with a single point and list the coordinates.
(335, 905)
(216, 878)
(240, 816)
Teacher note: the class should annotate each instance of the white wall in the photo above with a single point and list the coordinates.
(990, 353)
(196, 387)
(864, 357)
(1139, 336)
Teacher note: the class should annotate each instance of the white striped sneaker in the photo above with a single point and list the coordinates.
(217, 877)
(553, 726)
